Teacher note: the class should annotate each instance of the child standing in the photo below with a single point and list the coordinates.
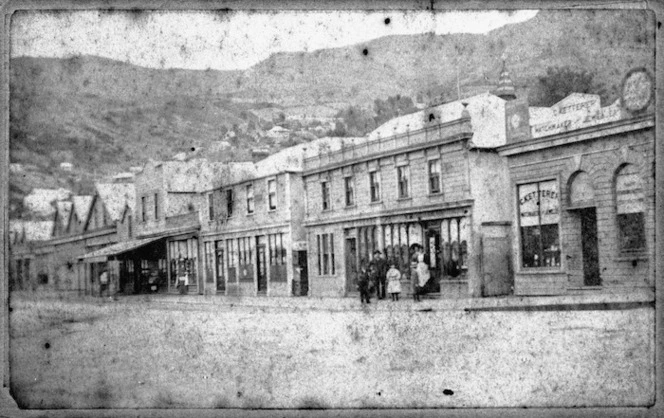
(363, 284)
(393, 282)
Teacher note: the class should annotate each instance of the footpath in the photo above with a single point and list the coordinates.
(588, 301)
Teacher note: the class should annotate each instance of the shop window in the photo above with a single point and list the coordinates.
(374, 185)
(272, 194)
(539, 216)
(325, 254)
(434, 176)
(403, 175)
(230, 202)
(250, 198)
(350, 191)
(143, 211)
(325, 191)
(630, 208)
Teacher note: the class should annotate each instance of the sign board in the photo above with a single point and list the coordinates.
(517, 120)
(577, 116)
(299, 246)
(629, 192)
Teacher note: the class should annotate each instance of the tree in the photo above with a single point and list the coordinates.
(560, 82)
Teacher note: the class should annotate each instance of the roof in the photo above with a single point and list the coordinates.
(487, 113)
(63, 210)
(81, 206)
(102, 254)
(38, 230)
(115, 196)
(200, 175)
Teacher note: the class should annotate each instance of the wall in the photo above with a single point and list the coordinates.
(600, 158)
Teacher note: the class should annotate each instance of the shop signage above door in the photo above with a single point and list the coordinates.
(576, 111)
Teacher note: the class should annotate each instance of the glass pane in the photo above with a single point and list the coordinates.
(629, 191)
(530, 246)
(549, 202)
(528, 207)
(631, 231)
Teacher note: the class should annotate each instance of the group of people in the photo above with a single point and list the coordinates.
(383, 277)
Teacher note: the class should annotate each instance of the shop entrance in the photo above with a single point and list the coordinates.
(591, 275)
(304, 274)
(260, 267)
(351, 265)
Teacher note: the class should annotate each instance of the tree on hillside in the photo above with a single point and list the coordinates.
(392, 107)
(559, 82)
(358, 121)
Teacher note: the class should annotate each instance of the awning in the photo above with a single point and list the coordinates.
(101, 255)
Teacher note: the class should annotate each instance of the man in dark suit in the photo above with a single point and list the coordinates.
(380, 272)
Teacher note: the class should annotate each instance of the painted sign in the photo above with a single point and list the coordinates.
(629, 192)
(577, 116)
(637, 90)
(300, 246)
(539, 204)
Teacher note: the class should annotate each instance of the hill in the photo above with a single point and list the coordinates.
(107, 115)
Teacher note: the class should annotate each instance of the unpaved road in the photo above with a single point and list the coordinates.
(85, 354)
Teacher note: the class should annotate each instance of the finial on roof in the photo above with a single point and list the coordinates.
(505, 88)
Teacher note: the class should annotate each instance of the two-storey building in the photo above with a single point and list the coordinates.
(254, 240)
(431, 178)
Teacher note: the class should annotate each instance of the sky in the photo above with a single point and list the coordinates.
(226, 40)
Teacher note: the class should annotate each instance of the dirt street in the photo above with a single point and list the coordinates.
(90, 354)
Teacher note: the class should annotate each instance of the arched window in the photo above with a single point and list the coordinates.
(630, 208)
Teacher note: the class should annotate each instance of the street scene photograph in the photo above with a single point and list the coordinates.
(331, 209)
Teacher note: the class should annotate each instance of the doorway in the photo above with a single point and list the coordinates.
(304, 273)
(260, 267)
(591, 276)
(351, 265)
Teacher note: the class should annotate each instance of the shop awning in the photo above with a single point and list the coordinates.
(101, 255)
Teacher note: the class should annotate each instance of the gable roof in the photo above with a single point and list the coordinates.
(62, 214)
(37, 230)
(115, 196)
(81, 206)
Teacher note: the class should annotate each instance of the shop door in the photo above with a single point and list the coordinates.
(304, 273)
(351, 265)
(589, 247)
(260, 268)
(432, 255)
(497, 277)
(221, 280)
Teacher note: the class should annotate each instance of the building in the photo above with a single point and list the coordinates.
(583, 189)
(432, 178)
(27, 268)
(253, 237)
(160, 230)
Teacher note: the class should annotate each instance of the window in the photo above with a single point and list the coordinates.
(277, 249)
(143, 214)
(211, 206)
(209, 257)
(630, 208)
(129, 228)
(403, 174)
(325, 191)
(325, 254)
(374, 185)
(156, 206)
(539, 215)
(434, 176)
(350, 191)
(229, 202)
(272, 194)
(250, 198)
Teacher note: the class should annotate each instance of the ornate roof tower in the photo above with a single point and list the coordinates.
(505, 88)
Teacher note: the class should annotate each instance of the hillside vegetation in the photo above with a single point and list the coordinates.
(106, 115)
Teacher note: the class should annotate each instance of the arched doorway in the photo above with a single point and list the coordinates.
(582, 208)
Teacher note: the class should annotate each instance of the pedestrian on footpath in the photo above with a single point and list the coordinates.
(103, 283)
(379, 269)
(393, 281)
(423, 275)
(364, 284)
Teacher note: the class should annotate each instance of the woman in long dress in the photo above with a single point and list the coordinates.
(393, 281)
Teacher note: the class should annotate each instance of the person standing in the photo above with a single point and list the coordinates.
(103, 283)
(364, 284)
(393, 277)
(379, 265)
(423, 274)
